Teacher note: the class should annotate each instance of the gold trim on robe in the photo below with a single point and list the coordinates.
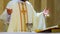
(23, 16)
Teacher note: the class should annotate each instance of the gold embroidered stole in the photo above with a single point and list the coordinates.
(23, 16)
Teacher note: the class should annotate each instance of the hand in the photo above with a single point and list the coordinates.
(9, 11)
(46, 12)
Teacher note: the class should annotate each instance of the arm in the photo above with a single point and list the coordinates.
(4, 16)
(32, 14)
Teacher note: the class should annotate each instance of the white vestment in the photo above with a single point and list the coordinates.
(15, 25)
(41, 24)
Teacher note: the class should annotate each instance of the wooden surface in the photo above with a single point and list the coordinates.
(49, 30)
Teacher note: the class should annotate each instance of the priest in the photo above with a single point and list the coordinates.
(23, 17)
(22, 14)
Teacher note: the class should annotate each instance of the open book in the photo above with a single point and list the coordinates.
(56, 26)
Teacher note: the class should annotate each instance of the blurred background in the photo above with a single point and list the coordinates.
(39, 5)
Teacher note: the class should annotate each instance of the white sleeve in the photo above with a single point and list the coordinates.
(4, 15)
(34, 15)
(41, 21)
